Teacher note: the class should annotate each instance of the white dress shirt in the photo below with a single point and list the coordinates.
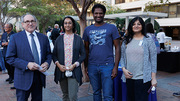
(37, 43)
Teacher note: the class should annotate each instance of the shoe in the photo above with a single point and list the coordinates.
(7, 79)
(4, 71)
(11, 81)
(176, 94)
(12, 88)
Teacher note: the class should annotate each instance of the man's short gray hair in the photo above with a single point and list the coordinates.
(22, 17)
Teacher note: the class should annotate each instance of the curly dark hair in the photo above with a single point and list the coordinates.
(99, 6)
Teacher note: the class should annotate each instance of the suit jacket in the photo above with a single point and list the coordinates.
(19, 54)
(54, 34)
(79, 55)
(5, 38)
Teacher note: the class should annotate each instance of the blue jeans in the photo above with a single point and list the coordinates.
(2, 64)
(100, 78)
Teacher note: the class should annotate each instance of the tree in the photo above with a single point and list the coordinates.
(156, 6)
(80, 8)
(45, 14)
(5, 6)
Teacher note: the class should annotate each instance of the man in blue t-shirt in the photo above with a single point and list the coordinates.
(99, 40)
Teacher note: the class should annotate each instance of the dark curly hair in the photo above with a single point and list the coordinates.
(99, 6)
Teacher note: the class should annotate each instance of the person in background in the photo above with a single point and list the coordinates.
(5, 39)
(161, 36)
(150, 33)
(18, 27)
(55, 33)
(122, 32)
(99, 40)
(2, 64)
(29, 52)
(138, 61)
(50, 41)
(68, 54)
(48, 29)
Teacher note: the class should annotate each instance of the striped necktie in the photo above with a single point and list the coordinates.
(34, 49)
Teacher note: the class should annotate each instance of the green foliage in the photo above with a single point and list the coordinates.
(156, 6)
(45, 14)
(120, 23)
(156, 24)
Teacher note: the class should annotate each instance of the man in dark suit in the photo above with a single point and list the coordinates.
(55, 33)
(27, 51)
(4, 43)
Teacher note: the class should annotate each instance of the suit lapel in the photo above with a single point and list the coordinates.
(74, 45)
(26, 42)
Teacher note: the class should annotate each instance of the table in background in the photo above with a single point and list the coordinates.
(168, 61)
(120, 91)
(119, 87)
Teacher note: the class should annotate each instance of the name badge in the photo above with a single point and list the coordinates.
(140, 43)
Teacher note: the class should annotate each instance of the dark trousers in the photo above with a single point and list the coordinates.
(137, 90)
(35, 90)
(162, 46)
(10, 70)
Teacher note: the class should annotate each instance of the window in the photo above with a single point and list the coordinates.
(172, 11)
(178, 10)
(119, 1)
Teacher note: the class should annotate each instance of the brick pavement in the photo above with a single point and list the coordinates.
(167, 84)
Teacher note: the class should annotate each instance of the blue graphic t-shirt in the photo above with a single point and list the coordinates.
(100, 40)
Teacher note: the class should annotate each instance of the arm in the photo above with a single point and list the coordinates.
(117, 57)
(61, 67)
(153, 60)
(48, 56)
(82, 55)
(123, 62)
(11, 56)
(86, 43)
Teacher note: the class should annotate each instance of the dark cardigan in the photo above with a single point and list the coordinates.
(79, 55)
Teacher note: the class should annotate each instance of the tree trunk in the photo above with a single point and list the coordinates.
(82, 27)
(44, 30)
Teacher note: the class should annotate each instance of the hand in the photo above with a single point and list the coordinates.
(33, 66)
(85, 74)
(114, 73)
(44, 67)
(127, 74)
(154, 82)
(4, 43)
(61, 67)
(71, 68)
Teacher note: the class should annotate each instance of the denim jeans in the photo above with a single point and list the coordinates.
(2, 64)
(100, 79)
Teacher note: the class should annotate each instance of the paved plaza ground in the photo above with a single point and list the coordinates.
(167, 84)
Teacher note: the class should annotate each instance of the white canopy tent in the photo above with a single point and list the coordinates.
(128, 15)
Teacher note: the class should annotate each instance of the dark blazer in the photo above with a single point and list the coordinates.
(54, 34)
(5, 37)
(79, 55)
(19, 54)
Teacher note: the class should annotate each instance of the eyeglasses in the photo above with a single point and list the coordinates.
(28, 22)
